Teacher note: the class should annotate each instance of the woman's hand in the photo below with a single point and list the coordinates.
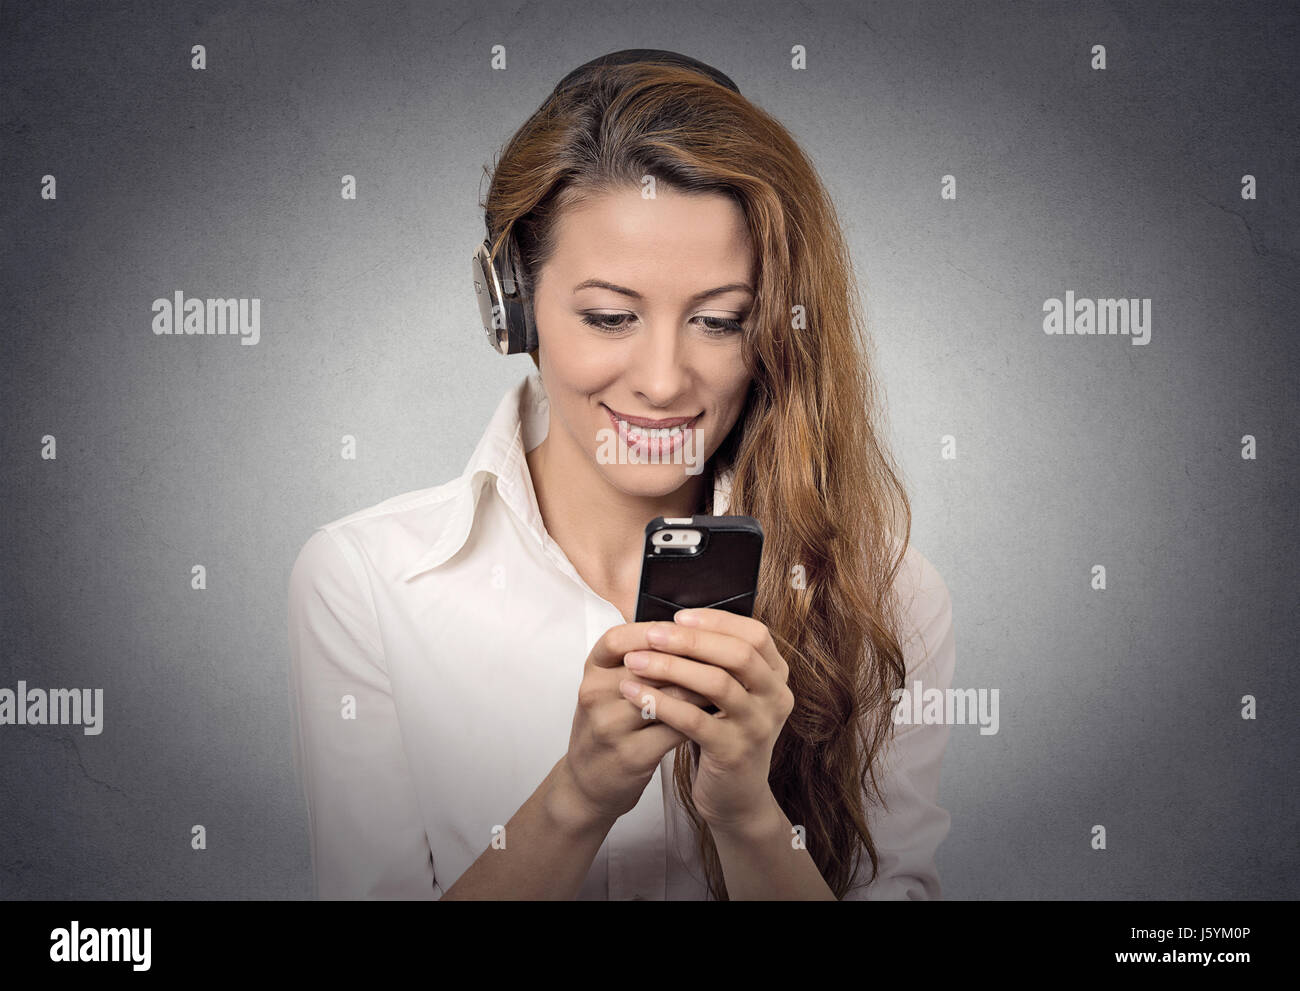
(732, 661)
(613, 752)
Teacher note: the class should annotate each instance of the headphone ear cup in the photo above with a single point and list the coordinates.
(507, 319)
(529, 325)
(523, 331)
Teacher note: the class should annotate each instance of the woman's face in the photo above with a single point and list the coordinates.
(659, 344)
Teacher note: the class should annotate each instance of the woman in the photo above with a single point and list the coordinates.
(681, 262)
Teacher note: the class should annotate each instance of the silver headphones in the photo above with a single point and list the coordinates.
(506, 312)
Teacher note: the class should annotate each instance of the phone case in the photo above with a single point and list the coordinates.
(722, 575)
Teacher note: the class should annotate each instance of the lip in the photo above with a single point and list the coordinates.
(654, 448)
(641, 421)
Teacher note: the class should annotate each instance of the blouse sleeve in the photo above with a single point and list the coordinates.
(367, 837)
(907, 833)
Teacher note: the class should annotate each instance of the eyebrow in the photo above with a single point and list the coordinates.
(602, 284)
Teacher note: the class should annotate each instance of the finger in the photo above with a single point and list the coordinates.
(650, 744)
(710, 732)
(734, 655)
(608, 651)
(633, 636)
(633, 718)
(676, 691)
(746, 628)
(685, 694)
(708, 680)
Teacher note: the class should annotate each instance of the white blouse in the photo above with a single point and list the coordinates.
(437, 642)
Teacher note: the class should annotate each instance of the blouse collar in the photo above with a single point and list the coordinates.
(519, 424)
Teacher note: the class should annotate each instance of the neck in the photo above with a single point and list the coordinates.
(601, 529)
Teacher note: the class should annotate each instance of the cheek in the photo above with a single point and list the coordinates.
(733, 383)
(571, 378)
(575, 364)
(736, 404)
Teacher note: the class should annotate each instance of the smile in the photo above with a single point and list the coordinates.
(653, 440)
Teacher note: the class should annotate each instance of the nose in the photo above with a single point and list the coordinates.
(657, 370)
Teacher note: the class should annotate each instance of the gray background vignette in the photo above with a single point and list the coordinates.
(1119, 708)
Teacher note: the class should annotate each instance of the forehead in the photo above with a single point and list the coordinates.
(674, 240)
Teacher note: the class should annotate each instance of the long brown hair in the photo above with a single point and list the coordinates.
(809, 460)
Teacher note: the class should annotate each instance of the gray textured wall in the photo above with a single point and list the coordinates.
(1119, 707)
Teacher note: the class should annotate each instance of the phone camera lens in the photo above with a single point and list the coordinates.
(667, 537)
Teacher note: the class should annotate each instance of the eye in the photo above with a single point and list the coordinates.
(597, 320)
(722, 326)
(713, 326)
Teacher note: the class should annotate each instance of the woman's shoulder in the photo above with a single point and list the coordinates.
(391, 535)
(918, 578)
(414, 504)
(926, 606)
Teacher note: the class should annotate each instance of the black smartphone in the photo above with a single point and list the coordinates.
(699, 562)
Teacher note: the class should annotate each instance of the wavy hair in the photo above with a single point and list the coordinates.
(807, 452)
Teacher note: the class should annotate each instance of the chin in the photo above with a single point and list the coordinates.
(648, 480)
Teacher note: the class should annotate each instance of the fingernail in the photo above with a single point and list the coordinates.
(636, 660)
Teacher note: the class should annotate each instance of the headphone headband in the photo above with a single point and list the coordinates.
(507, 318)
